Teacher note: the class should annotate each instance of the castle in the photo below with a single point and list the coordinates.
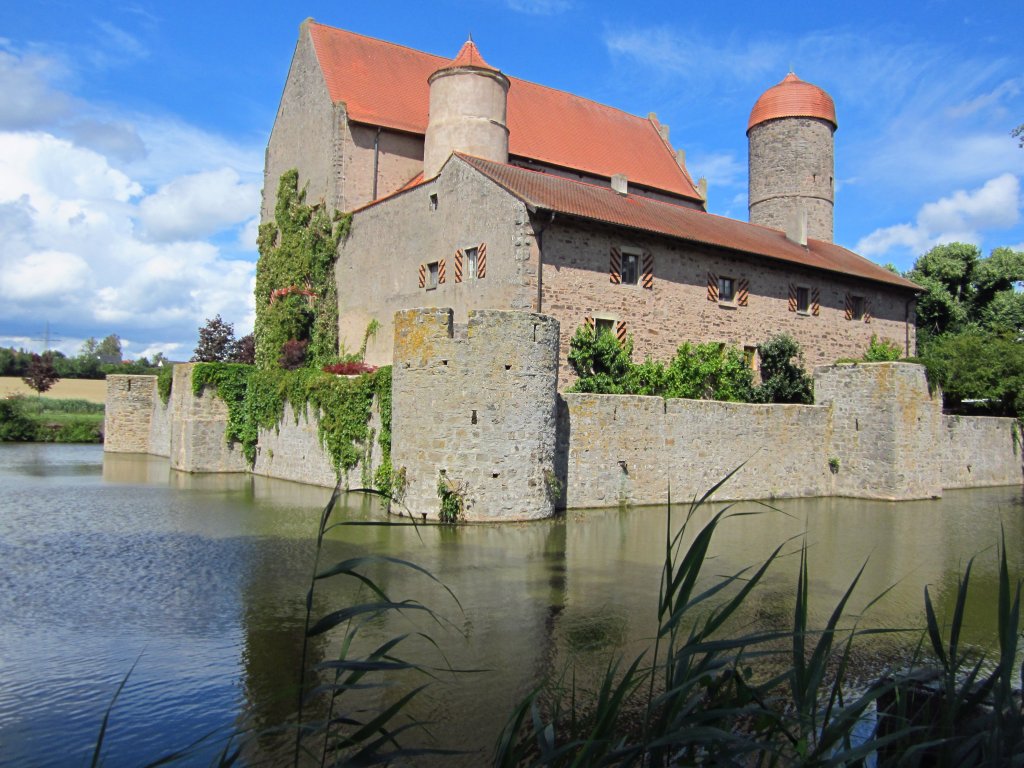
(473, 190)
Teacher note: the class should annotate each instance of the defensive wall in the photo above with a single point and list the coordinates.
(475, 410)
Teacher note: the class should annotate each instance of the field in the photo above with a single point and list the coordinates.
(93, 390)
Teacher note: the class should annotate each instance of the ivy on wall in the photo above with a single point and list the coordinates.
(255, 398)
(296, 296)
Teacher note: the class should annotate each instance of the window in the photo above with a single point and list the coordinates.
(433, 201)
(431, 275)
(471, 263)
(856, 307)
(603, 325)
(803, 299)
(726, 289)
(630, 268)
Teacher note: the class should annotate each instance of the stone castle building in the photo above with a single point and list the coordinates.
(474, 190)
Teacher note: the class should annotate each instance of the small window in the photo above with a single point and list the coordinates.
(471, 263)
(431, 275)
(433, 201)
(856, 307)
(603, 325)
(630, 268)
(726, 289)
(803, 299)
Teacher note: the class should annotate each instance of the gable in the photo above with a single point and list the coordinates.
(385, 84)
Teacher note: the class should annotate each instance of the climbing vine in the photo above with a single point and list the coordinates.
(256, 398)
(164, 380)
(296, 294)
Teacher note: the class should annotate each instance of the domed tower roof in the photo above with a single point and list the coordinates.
(793, 97)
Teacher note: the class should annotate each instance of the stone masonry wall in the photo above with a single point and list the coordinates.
(630, 450)
(378, 267)
(197, 429)
(576, 285)
(129, 413)
(791, 165)
(886, 430)
(981, 450)
(478, 409)
(292, 451)
(305, 133)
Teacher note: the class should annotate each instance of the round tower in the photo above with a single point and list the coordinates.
(790, 141)
(468, 104)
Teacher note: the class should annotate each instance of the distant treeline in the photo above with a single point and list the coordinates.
(14, 362)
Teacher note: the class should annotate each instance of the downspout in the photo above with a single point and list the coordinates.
(540, 261)
(906, 326)
(376, 158)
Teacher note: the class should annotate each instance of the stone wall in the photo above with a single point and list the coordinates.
(886, 430)
(676, 309)
(197, 429)
(128, 418)
(292, 451)
(475, 407)
(981, 450)
(791, 166)
(378, 267)
(631, 450)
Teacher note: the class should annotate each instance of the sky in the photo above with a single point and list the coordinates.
(132, 134)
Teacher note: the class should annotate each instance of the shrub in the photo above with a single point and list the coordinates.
(349, 368)
(882, 351)
(782, 380)
(15, 426)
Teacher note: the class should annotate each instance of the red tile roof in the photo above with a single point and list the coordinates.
(385, 84)
(589, 201)
(793, 97)
(469, 56)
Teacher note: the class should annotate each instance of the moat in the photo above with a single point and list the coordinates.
(106, 557)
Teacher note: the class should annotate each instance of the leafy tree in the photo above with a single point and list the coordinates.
(41, 375)
(216, 341)
(979, 365)
(89, 348)
(782, 380)
(15, 426)
(109, 350)
(244, 350)
(600, 362)
(964, 290)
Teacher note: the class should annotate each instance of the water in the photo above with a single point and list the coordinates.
(109, 560)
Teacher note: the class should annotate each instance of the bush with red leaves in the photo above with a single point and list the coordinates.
(352, 368)
(293, 354)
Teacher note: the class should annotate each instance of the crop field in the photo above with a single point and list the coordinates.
(93, 390)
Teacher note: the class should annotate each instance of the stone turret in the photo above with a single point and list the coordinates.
(468, 104)
(790, 136)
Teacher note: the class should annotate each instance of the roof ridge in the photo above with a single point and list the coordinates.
(378, 40)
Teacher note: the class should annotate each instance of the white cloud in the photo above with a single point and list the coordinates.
(721, 169)
(963, 216)
(28, 100)
(198, 205)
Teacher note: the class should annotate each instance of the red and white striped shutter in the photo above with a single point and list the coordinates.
(648, 276)
(815, 302)
(615, 267)
(481, 261)
(848, 307)
(792, 297)
(423, 275)
(440, 271)
(712, 286)
(458, 265)
(620, 331)
(743, 292)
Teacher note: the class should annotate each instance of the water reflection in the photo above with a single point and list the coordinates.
(207, 575)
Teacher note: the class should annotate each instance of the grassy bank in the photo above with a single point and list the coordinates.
(50, 420)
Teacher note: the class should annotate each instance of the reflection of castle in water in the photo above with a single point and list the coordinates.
(539, 597)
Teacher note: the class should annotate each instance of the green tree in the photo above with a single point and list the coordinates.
(782, 379)
(882, 351)
(981, 366)
(600, 361)
(41, 375)
(109, 350)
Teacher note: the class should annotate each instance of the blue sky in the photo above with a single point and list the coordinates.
(132, 135)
